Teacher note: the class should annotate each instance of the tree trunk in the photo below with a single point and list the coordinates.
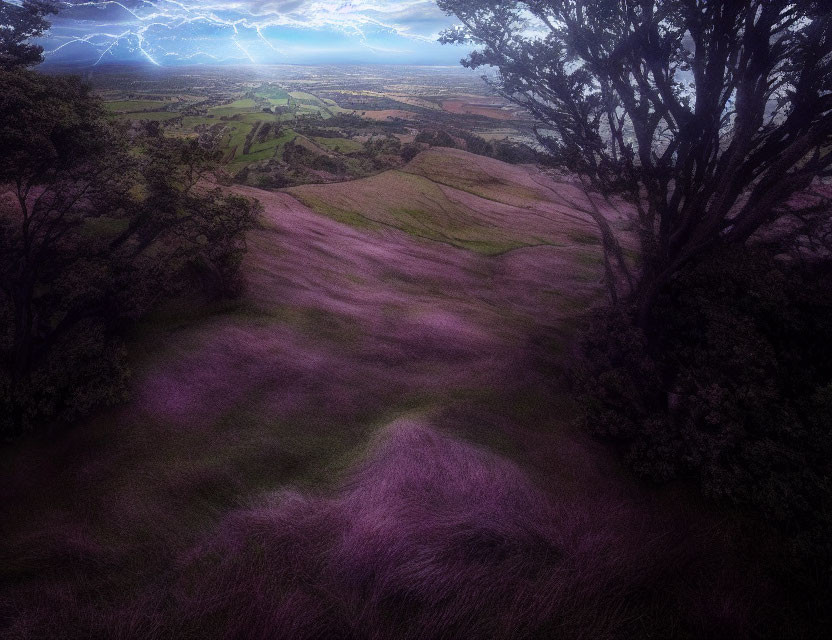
(20, 363)
(652, 282)
(22, 340)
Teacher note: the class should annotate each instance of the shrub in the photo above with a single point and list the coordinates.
(436, 138)
(325, 163)
(271, 181)
(409, 151)
(264, 131)
(733, 390)
(475, 144)
(85, 371)
(92, 234)
(514, 153)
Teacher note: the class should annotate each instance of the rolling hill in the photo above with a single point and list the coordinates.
(377, 432)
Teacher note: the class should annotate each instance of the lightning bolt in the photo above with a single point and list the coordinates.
(143, 25)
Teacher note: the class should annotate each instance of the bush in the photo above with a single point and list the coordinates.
(733, 390)
(436, 138)
(271, 181)
(86, 371)
(93, 232)
(409, 151)
(475, 144)
(325, 163)
(514, 153)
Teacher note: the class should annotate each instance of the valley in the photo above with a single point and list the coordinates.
(281, 126)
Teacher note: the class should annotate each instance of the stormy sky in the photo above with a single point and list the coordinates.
(171, 32)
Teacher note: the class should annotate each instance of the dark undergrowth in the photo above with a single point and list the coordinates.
(732, 393)
(429, 538)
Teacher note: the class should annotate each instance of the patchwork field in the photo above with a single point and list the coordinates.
(230, 108)
(479, 107)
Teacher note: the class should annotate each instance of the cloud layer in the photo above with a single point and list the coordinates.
(165, 32)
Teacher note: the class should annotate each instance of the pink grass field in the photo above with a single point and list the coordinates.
(375, 442)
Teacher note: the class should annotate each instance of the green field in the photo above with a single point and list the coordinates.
(303, 95)
(261, 151)
(276, 96)
(272, 93)
(237, 106)
(412, 204)
(341, 145)
(132, 106)
(159, 116)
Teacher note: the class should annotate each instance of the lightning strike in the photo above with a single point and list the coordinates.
(189, 25)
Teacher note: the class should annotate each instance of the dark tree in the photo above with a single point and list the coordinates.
(92, 232)
(708, 116)
(18, 24)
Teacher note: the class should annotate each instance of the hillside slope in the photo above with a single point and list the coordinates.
(372, 443)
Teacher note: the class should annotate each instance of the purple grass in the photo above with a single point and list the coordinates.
(431, 538)
(130, 525)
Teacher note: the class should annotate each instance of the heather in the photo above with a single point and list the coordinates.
(366, 445)
(353, 352)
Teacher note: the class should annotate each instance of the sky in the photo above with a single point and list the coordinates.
(175, 32)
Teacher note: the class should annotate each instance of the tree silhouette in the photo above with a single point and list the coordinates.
(18, 24)
(94, 229)
(708, 116)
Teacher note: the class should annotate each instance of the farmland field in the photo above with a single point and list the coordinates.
(133, 106)
(275, 105)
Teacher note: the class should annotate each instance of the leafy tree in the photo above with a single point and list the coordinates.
(18, 24)
(92, 233)
(708, 116)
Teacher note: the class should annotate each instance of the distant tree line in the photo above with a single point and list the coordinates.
(455, 138)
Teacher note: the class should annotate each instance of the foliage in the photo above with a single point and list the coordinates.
(436, 138)
(708, 116)
(474, 143)
(20, 23)
(324, 162)
(736, 393)
(92, 235)
(265, 130)
(382, 145)
(514, 153)
(271, 181)
(409, 151)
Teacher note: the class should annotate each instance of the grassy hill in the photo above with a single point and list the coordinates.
(375, 440)
(467, 201)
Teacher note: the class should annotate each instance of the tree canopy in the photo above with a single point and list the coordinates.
(97, 222)
(19, 23)
(708, 116)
